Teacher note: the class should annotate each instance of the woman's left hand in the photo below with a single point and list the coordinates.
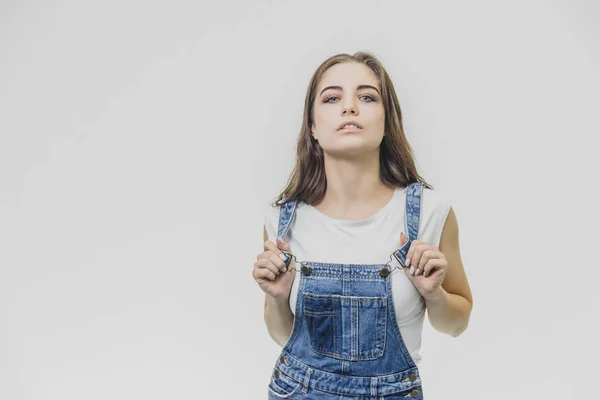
(429, 266)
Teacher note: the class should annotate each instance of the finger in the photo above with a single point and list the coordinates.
(286, 247)
(266, 254)
(427, 255)
(283, 245)
(408, 273)
(272, 258)
(410, 254)
(278, 262)
(270, 246)
(264, 273)
(432, 266)
(266, 263)
(414, 254)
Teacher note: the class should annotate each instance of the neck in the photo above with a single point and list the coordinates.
(354, 183)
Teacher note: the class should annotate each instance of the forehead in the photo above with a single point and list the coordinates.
(349, 74)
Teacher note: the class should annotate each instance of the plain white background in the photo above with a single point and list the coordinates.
(140, 142)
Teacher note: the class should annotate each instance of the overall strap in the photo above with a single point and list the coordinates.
(287, 212)
(414, 194)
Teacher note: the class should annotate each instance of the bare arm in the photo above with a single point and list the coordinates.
(279, 318)
(450, 310)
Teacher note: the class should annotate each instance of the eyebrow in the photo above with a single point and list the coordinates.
(359, 87)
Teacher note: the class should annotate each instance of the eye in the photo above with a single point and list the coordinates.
(371, 99)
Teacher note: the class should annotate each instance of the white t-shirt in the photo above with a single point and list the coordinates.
(313, 236)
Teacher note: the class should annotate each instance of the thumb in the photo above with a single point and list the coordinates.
(283, 245)
(403, 239)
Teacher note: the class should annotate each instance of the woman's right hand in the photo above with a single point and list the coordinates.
(270, 270)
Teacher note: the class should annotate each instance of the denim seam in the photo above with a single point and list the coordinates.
(285, 377)
(341, 265)
(319, 313)
(345, 394)
(285, 396)
(333, 374)
(295, 327)
(282, 390)
(396, 329)
(321, 276)
(378, 299)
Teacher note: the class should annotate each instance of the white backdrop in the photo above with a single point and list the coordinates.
(141, 140)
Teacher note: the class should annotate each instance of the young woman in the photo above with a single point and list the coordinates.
(357, 247)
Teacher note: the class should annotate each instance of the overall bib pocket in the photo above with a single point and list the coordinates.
(346, 327)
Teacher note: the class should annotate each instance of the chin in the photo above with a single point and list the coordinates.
(360, 148)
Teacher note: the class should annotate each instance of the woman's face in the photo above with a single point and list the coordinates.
(348, 92)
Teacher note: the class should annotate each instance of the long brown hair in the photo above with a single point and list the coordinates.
(308, 181)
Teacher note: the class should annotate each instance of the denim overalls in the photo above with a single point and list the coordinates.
(345, 342)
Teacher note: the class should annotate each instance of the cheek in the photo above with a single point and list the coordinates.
(324, 120)
(377, 121)
(376, 115)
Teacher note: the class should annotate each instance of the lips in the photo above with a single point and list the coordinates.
(341, 126)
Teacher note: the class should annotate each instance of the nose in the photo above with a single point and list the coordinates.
(349, 108)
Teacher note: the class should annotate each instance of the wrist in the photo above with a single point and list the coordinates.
(437, 295)
(277, 301)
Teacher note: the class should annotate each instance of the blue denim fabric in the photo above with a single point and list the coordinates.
(286, 216)
(345, 342)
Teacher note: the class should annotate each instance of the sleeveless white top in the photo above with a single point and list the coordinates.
(313, 236)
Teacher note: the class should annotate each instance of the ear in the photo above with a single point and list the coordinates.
(312, 131)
